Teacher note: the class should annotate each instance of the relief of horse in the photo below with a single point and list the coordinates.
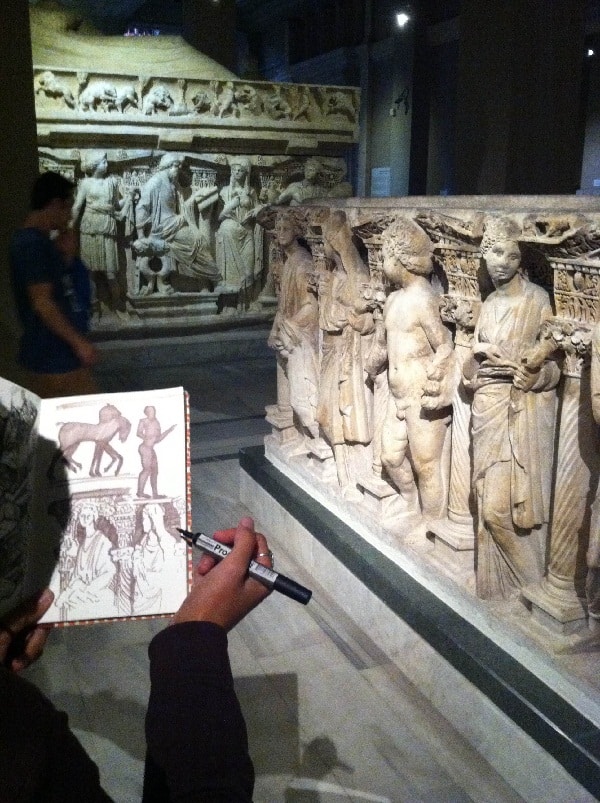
(73, 433)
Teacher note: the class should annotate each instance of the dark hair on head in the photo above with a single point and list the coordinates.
(49, 186)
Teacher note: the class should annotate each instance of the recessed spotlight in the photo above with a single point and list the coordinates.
(402, 18)
(591, 52)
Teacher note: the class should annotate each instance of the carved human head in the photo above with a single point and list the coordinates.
(288, 227)
(499, 228)
(240, 167)
(405, 245)
(169, 160)
(501, 250)
(313, 168)
(93, 160)
(87, 514)
(503, 261)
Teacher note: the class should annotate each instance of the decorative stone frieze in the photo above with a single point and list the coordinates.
(517, 282)
(92, 108)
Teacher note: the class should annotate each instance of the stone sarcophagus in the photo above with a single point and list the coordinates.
(438, 381)
(174, 159)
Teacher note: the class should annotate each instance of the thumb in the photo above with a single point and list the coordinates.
(30, 611)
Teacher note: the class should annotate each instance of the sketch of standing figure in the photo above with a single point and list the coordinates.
(158, 565)
(87, 591)
(150, 432)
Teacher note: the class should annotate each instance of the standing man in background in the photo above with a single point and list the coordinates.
(52, 294)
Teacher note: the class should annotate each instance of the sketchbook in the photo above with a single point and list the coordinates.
(92, 491)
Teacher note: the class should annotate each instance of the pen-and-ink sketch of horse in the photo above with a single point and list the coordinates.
(73, 433)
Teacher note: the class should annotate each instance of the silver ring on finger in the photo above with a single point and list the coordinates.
(269, 555)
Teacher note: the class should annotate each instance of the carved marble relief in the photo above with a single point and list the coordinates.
(173, 234)
(170, 223)
(452, 374)
(67, 93)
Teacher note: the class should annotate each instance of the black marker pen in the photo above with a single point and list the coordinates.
(266, 576)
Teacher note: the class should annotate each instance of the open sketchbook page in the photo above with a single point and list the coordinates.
(113, 488)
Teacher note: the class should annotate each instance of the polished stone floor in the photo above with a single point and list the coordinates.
(329, 718)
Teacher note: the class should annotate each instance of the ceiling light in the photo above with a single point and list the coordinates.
(402, 18)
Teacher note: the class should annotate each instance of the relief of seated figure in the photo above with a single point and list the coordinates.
(312, 186)
(421, 372)
(170, 213)
(512, 422)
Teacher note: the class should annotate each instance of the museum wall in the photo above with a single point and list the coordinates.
(591, 150)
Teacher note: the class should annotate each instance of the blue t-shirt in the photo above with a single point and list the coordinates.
(34, 259)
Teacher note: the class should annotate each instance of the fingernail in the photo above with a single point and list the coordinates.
(247, 522)
(46, 596)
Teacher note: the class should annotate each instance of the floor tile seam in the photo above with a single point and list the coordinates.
(443, 738)
(320, 609)
(310, 642)
(227, 420)
(256, 333)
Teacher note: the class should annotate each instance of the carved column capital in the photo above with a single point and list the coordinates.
(573, 339)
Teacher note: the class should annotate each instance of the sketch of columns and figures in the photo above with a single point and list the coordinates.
(118, 559)
(120, 552)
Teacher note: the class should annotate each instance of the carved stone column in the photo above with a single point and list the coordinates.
(460, 307)
(559, 600)
(381, 498)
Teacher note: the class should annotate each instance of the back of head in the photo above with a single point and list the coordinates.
(404, 240)
(48, 187)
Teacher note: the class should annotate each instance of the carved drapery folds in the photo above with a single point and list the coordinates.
(183, 230)
(490, 312)
(194, 246)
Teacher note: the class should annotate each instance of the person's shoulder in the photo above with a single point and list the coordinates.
(31, 252)
(153, 181)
